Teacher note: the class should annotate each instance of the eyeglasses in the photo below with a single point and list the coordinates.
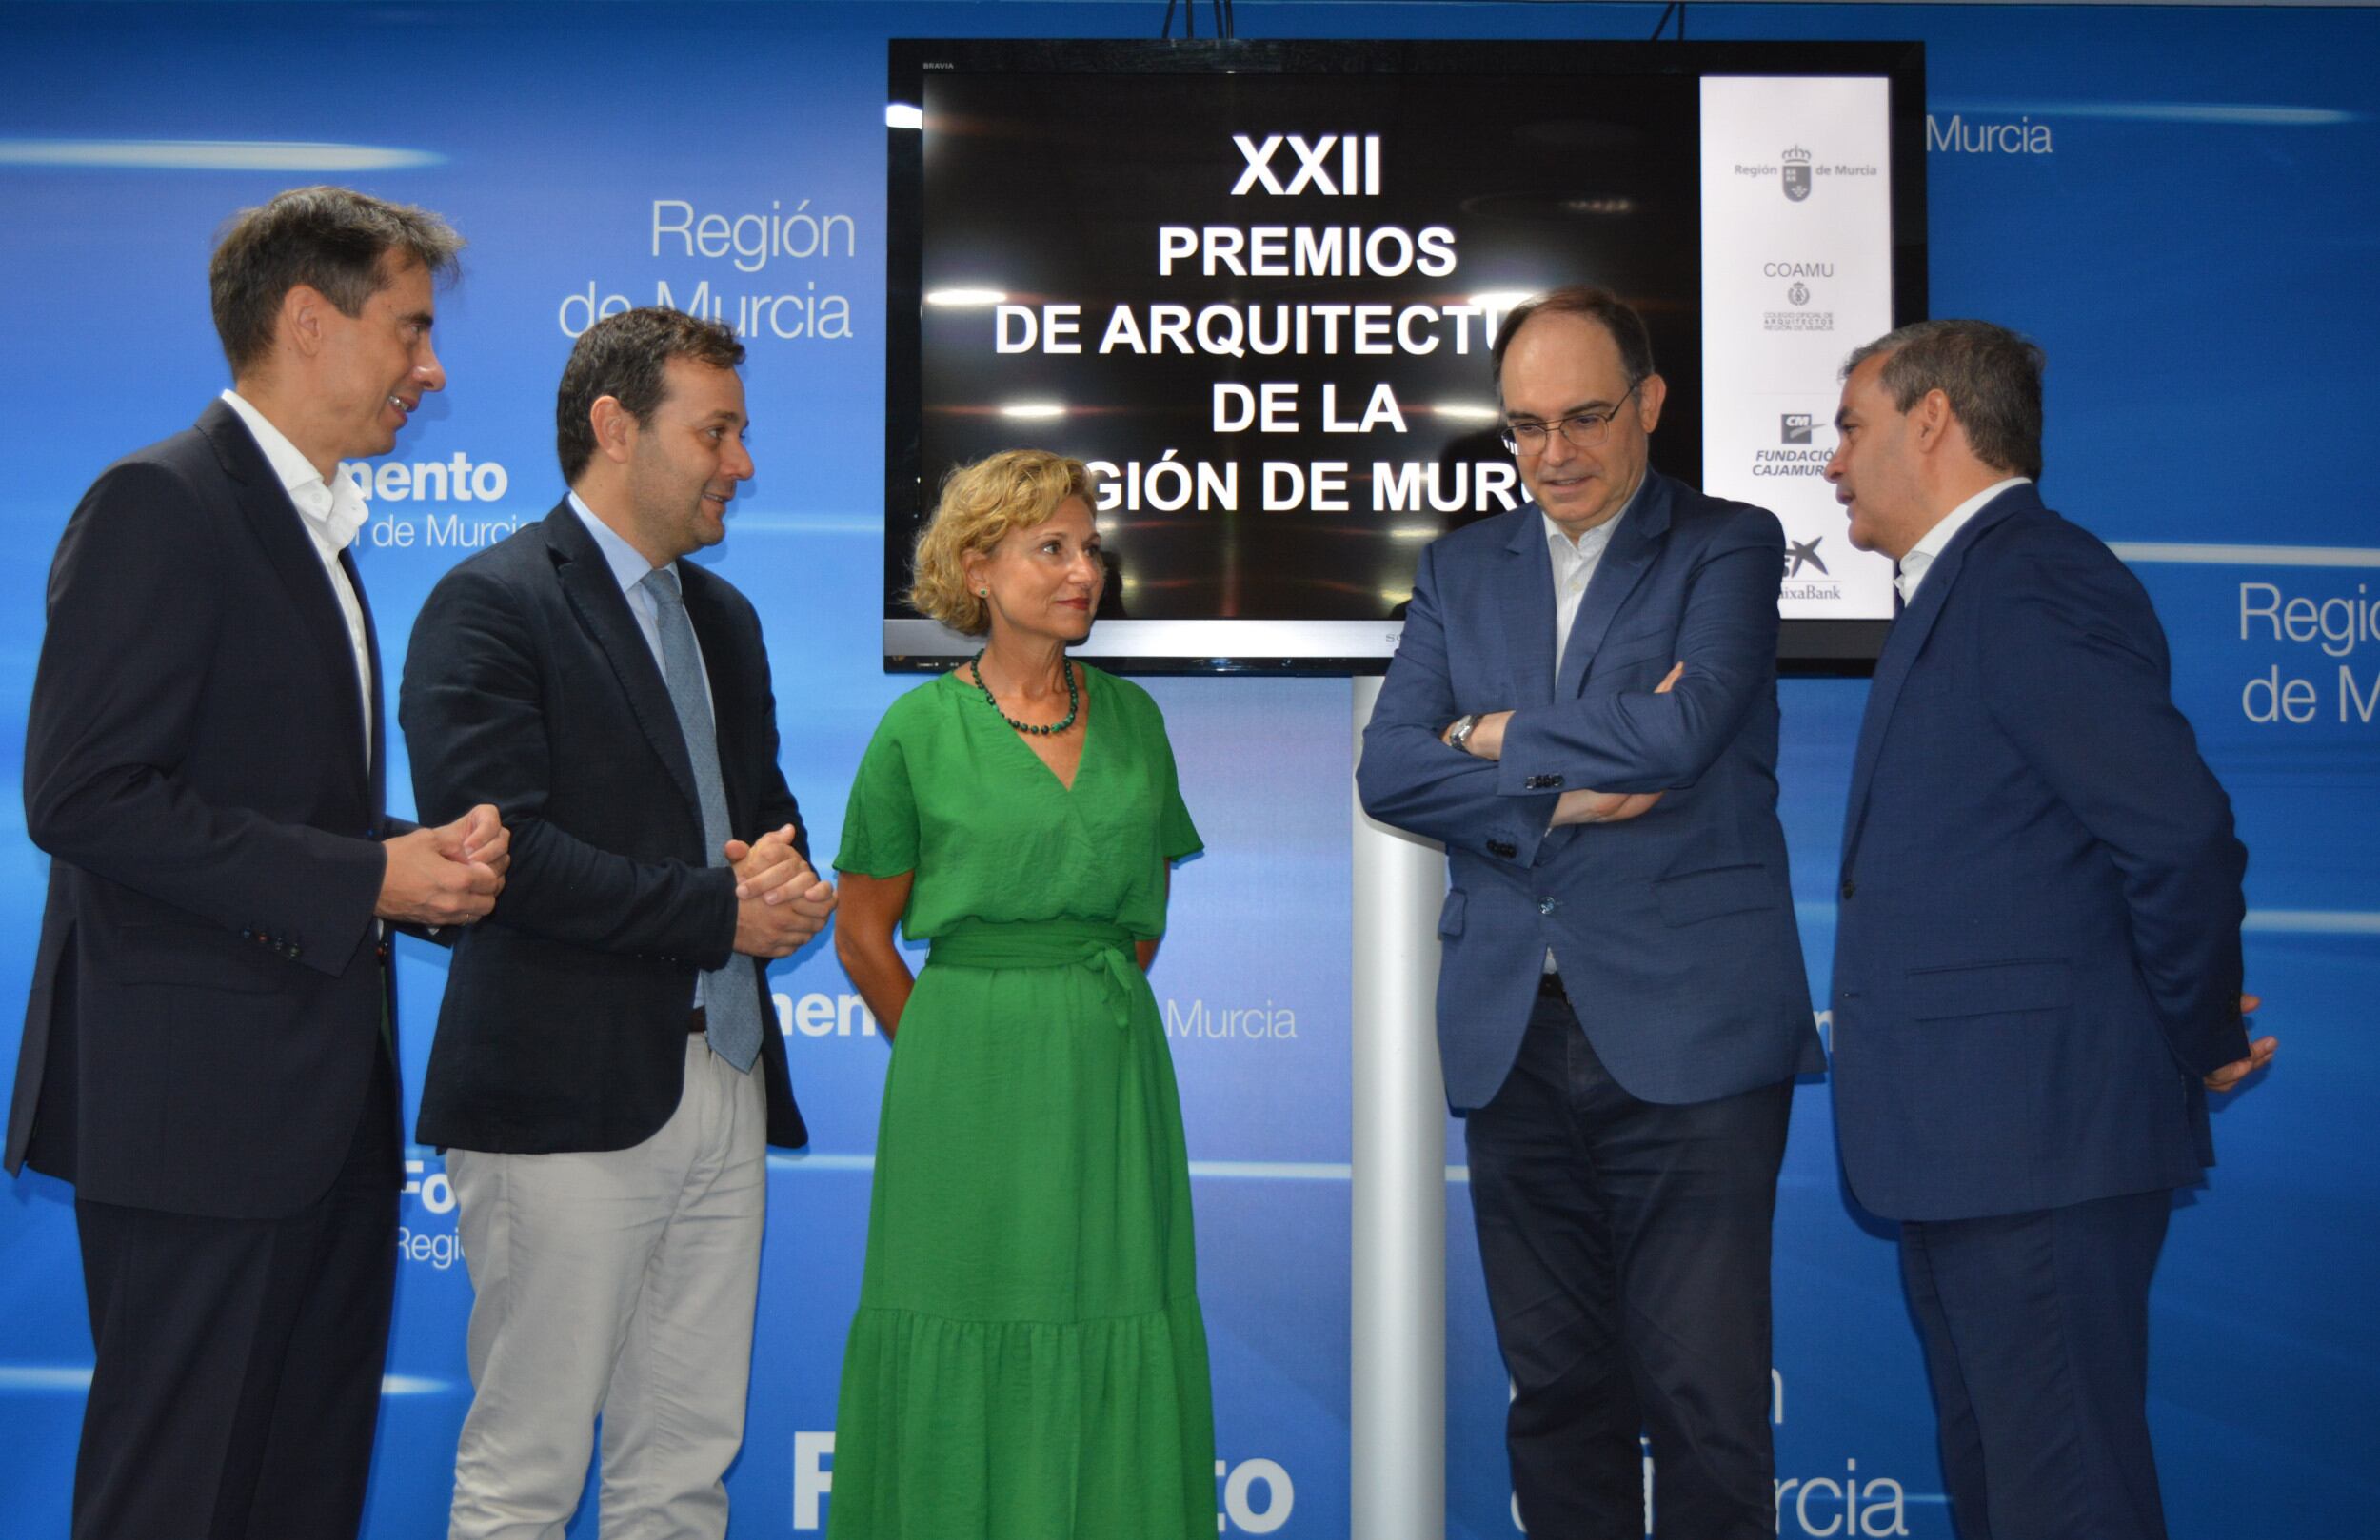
(1586, 431)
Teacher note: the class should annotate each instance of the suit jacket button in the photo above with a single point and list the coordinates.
(1547, 905)
(1849, 888)
(1542, 782)
(1504, 848)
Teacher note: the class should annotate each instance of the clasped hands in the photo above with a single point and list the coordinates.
(446, 876)
(779, 902)
(1583, 806)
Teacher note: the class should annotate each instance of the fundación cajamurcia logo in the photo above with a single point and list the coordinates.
(1796, 180)
(1797, 454)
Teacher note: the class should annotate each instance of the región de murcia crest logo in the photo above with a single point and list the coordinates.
(1796, 178)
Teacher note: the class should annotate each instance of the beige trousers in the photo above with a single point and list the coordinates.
(617, 1283)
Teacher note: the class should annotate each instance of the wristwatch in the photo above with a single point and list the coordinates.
(1458, 736)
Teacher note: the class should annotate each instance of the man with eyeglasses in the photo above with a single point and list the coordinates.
(1583, 710)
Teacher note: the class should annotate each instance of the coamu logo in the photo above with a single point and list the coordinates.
(1358, 170)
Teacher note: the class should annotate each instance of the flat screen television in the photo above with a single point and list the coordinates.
(1253, 283)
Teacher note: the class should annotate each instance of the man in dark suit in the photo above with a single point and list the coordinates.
(208, 1054)
(607, 1071)
(1583, 710)
(2037, 960)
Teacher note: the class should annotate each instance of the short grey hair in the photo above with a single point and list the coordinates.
(1991, 375)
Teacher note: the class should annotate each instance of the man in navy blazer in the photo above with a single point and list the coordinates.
(1583, 711)
(609, 1074)
(209, 1055)
(2037, 960)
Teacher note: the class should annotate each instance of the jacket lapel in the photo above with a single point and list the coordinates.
(1902, 646)
(603, 610)
(379, 767)
(1635, 540)
(1527, 608)
(281, 530)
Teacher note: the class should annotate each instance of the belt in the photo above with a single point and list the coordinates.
(694, 1022)
(1104, 949)
(1550, 985)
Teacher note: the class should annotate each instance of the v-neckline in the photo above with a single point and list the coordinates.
(1083, 760)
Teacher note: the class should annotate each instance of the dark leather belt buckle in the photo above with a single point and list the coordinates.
(694, 1022)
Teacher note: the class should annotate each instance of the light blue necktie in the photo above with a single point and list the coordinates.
(731, 1006)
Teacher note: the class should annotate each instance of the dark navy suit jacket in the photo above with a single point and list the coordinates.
(1674, 931)
(2038, 956)
(527, 684)
(209, 994)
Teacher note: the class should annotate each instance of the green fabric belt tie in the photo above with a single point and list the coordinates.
(1105, 950)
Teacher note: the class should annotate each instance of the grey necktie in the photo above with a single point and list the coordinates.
(731, 1005)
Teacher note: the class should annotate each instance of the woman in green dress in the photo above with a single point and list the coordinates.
(1028, 1361)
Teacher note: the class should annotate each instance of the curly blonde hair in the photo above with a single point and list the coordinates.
(980, 506)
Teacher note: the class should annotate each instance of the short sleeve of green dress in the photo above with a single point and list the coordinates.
(1028, 1361)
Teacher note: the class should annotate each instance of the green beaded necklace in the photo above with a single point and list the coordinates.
(1074, 700)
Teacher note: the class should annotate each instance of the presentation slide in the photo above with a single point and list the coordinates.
(1264, 314)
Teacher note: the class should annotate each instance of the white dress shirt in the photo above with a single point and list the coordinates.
(1912, 570)
(332, 514)
(1574, 567)
(1575, 561)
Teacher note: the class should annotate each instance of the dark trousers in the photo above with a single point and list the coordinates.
(239, 1361)
(2037, 1335)
(1626, 1245)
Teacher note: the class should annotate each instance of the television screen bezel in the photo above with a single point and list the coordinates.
(1847, 648)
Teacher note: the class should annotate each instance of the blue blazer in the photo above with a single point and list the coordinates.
(2037, 955)
(1674, 931)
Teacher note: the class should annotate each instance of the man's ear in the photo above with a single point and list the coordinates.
(615, 430)
(299, 324)
(1651, 392)
(1932, 420)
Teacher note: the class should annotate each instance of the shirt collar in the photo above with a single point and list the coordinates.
(628, 564)
(1935, 540)
(1588, 546)
(338, 509)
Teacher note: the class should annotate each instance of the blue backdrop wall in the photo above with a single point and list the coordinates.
(2176, 202)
